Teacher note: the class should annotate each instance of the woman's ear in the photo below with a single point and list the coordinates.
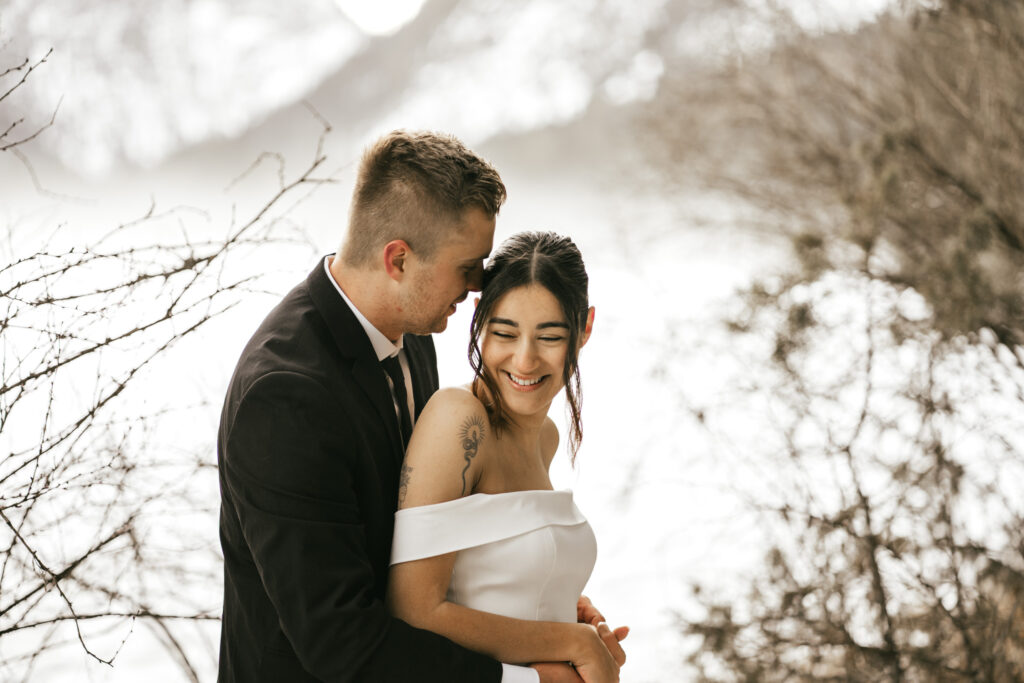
(588, 328)
(396, 255)
(476, 302)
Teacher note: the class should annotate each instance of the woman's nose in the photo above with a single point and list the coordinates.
(526, 357)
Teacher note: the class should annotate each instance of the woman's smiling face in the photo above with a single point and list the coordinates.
(524, 347)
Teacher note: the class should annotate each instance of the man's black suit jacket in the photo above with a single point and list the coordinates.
(310, 453)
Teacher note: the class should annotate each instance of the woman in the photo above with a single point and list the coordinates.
(485, 552)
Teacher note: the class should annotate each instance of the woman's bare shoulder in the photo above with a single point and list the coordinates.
(448, 449)
(448, 398)
(454, 408)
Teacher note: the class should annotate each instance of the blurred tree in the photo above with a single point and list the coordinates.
(905, 138)
(892, 464)
(891, 353)
(93, 510)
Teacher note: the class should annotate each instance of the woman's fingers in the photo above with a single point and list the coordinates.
(586, 612)
(621, 633)
(611, 641)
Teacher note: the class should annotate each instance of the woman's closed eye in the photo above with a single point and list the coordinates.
(549, 338)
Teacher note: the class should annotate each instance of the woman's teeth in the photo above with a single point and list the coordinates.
(523, 382)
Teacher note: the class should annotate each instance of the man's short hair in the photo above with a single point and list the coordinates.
(416, 186)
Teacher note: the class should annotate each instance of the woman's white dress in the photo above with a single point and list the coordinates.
(522, 554)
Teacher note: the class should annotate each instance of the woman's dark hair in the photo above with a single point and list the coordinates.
(555, 263)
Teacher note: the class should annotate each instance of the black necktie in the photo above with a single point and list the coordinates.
(394, 369)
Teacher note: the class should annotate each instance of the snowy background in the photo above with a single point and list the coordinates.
(168, 102)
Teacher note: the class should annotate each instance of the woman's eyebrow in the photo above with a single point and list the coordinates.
(540, 326)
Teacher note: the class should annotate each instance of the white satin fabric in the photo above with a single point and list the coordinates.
(522, 554)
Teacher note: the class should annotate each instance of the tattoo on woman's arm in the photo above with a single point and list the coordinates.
(403, 484)
(471, 434)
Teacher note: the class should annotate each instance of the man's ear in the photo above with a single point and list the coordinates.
(588, 328)
(396, 257)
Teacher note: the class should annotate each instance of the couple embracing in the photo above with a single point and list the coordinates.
(373, 527)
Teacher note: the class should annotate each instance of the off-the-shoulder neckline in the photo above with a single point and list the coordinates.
(484, 496)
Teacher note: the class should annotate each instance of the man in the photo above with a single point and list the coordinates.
(315, 422)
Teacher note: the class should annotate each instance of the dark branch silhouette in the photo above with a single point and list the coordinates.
(88, 494)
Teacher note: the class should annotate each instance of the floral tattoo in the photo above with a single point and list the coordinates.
(471, 434)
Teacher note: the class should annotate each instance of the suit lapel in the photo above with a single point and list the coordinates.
(371, 380)
(413, 356)
(353, 343)
(419, 352)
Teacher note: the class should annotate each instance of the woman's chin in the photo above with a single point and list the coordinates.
(526, 404)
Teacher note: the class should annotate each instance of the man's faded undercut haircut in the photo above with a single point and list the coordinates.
(416, 186)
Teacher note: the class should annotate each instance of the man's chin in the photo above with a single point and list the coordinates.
(433, 327)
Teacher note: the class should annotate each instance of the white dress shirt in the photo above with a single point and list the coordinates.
(385, 348)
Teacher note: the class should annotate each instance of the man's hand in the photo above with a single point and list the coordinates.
(556, 672)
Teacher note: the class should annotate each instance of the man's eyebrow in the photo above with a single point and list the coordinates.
(477, 258)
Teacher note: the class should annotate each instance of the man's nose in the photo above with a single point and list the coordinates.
(475, 280)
